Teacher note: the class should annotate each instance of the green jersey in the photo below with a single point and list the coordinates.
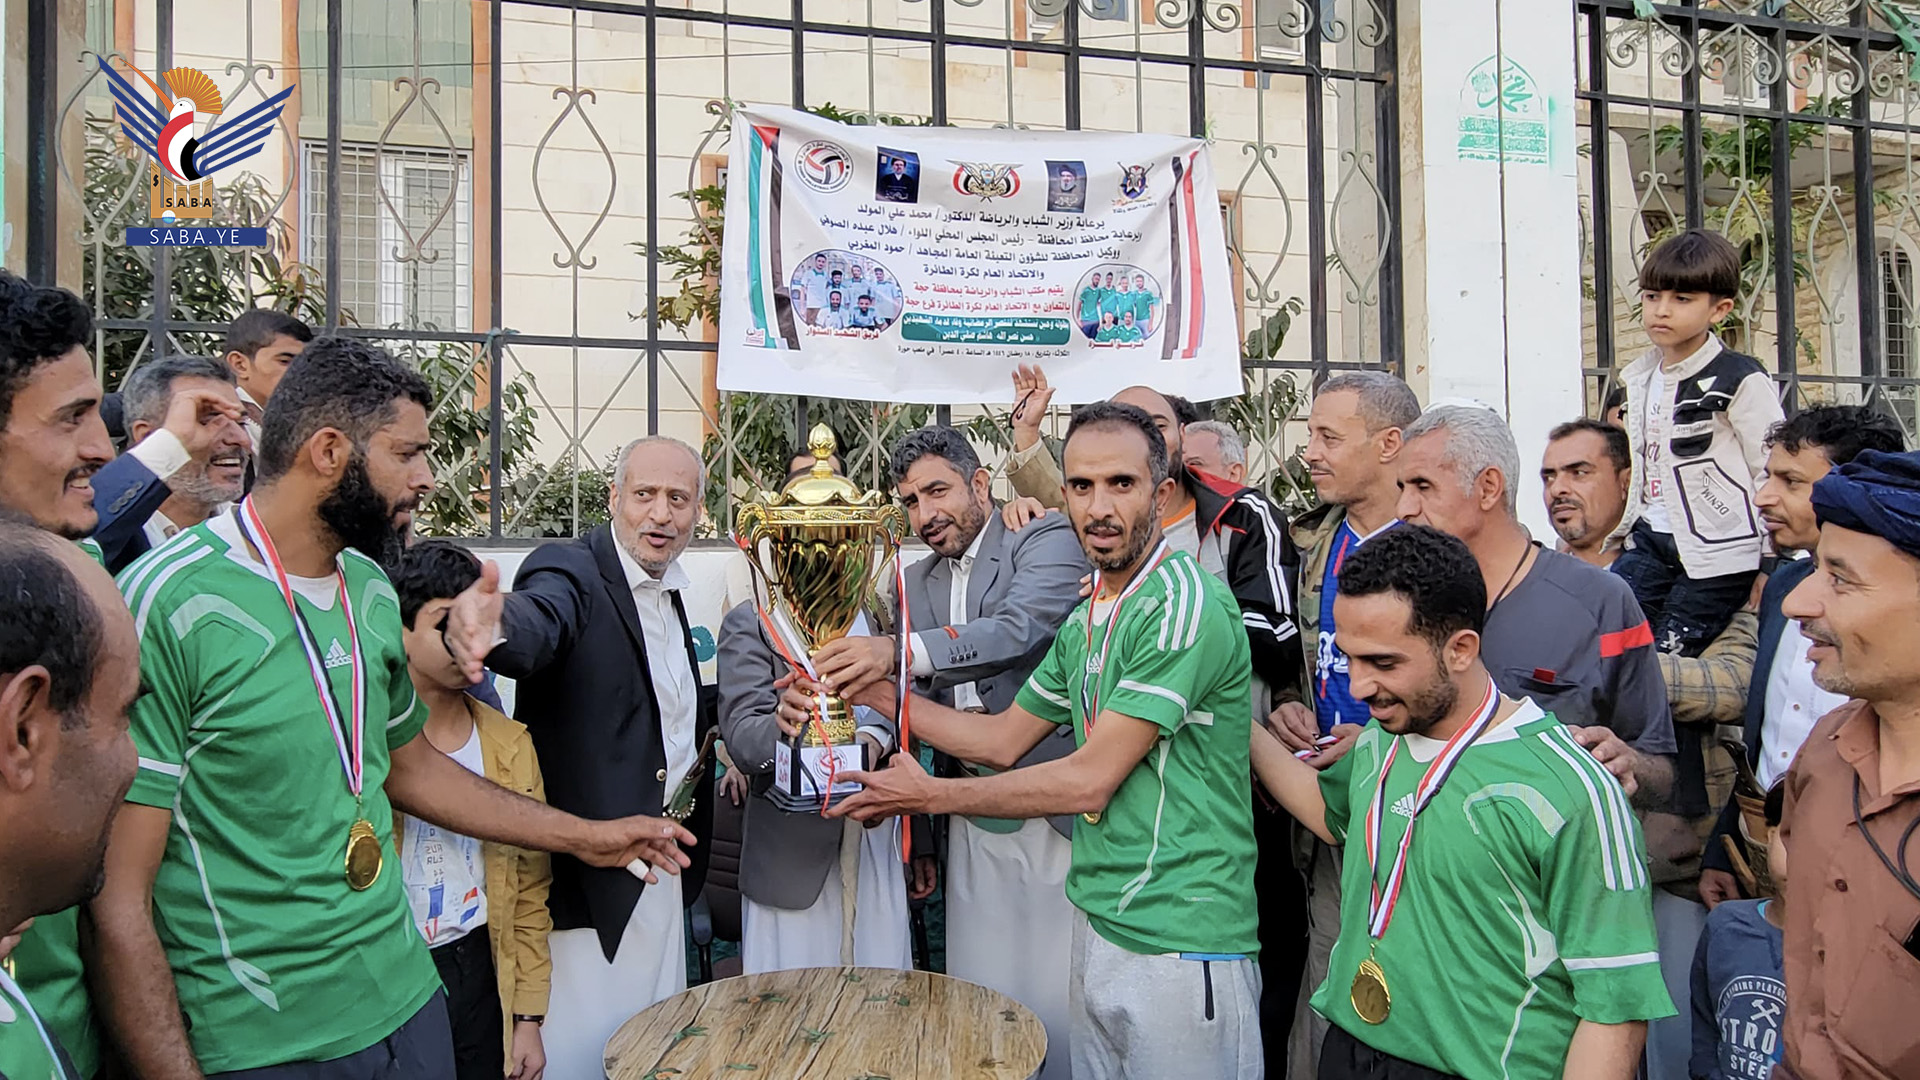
(28, 1050)
(1525, 905)
(1167, 867)
(1090, 300)
(47, 965)
(275, 958)
(1117, 304)
(1142, 308)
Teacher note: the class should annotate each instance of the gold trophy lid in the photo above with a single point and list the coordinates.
(820, 487)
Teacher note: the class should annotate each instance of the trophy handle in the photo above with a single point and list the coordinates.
(750, 527)
(891, 524)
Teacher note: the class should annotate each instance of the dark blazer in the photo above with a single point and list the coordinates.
(1773, 622)
(573, 641)
(125, 495)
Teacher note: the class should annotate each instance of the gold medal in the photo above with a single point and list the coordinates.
(1092, 818)
(1369, 993)
(364, 858)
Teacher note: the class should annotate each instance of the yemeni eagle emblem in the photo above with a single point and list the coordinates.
(986, 180)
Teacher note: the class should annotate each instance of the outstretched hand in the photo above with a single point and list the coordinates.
(902, 788)
(473, 622)
(637, 843)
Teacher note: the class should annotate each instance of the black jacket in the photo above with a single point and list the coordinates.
(1260, 565)
(573, 641)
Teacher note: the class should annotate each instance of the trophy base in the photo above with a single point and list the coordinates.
(839, 724)
(801, 775)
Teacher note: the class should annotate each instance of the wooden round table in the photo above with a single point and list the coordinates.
(831, 1024)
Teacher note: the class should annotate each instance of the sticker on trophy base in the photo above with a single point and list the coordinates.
(800, 774)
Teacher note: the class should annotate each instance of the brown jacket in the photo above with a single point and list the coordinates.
(517, 918)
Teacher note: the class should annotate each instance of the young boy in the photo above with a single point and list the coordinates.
(481, 907)
(1697, 417)
(1739, 992)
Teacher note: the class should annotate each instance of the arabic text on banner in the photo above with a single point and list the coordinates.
(923, 264)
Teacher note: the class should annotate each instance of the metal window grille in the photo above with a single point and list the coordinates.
(504, 181)
(1787, 125)
(378, 286)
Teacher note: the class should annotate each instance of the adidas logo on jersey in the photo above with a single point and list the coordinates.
(337, 656)
(1404, 806)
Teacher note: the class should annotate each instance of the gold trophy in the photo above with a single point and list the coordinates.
(819, 548)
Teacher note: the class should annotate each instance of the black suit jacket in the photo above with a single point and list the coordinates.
(1773, 623)
(573, 641)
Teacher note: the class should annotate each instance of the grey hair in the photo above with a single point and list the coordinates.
(149, 390)
(1233, 448)
(1477, 440)
(626, 452)
(1385, 400)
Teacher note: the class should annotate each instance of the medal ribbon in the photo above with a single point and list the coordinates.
(352, 757)
(1089, 681)
(1381, 902)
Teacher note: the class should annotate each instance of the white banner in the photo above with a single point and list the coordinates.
(922, 264)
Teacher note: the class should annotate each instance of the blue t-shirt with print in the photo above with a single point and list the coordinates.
(1739, 995)
(1333, 703)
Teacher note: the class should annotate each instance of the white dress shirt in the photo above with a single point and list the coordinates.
(965, 695)
(160, 529)
(1794, 704)
(675, 688)
(253, 426)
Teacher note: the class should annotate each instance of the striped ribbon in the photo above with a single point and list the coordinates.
(1381, 902)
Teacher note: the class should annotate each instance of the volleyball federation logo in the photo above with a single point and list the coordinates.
(824, 166)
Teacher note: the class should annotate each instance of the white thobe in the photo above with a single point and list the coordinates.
(591, 997)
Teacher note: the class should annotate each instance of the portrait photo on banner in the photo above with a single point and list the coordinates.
(1067, 187)
(897, 176)
(837, 290)
(1118, 304)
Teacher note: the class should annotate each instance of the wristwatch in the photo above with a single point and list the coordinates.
(523, 1018)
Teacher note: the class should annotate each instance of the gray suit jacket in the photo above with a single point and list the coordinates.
(1022, 588)
(784, 857)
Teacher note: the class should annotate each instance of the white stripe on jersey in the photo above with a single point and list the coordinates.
(1621, 868)
(159, 584)
(158, 766)
(1156, 691)
(1603, 963)
(1048, 696)
(1140, 880)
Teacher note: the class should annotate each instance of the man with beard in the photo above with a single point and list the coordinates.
(984, 611)
(1585, 476)
(1779, 700)
(1544, 968)
(1353, 436)
(55, 468)
(67, 676)
(55, 455)
(1237, 536)
(1853, 794)
(202, 487)
(1151, 674)
(596, 632)
(247, 926)
(1557, 630)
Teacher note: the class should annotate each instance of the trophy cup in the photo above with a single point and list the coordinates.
(818, 548)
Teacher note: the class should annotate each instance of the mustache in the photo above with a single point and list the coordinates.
(1817, 633)
(83, 472)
